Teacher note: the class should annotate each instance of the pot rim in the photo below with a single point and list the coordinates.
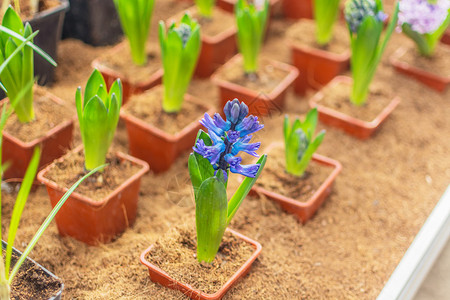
(79, 197)
(62, 7)
(227, 285)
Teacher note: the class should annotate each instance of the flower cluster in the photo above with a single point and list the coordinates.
(357, 10)
(422, 15)
(229, 138)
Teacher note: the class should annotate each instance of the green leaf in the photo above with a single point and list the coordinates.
(92, 86)
(19, 205)
(243, 190)
(211, 218)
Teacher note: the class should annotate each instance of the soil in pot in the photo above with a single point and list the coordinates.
(25, 12)
(338, 99)
(276, 179)
(220, 22)
(120, 61)
(31, 282)
(267, 79)
(99, 185)
(438, 64)
(148, 107)
(175, 253)
(48, 115)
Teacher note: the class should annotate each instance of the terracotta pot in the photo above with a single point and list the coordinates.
(259, 103)
(446, 37)
(94, 222)
(129, 88)
(434, 81)
(50, 25)
(298, 9)
(53, 144)
(216, 50)
(303, 210)
(355, 127)
(318, 67)
(45, 273)
(228, 5)
(158, 148)
(161, 277)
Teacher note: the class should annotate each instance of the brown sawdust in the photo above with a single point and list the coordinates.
(276, 179)
(147, 107)
(268, 75)
(438, 64)
(99, 185)
(48, 115)
(303, 33)
(121, 62)
(388, 186)
(175, 253)
(31, 282)
(338, 99)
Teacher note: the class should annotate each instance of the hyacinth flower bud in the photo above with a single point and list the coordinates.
(357, 10)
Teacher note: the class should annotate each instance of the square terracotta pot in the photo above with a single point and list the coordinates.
(260, 104)
(432, 80)
(304, 211)
(53, 144)
(159, 276)
(129, 88)
(317, 67)
(352, 126)
(298, 9)
(95, 222)
(153, 145)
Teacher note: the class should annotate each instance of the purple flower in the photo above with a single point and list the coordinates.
(229, 138)
(357, 10)
(422, 15)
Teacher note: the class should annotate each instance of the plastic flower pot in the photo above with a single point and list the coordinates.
(29, 262)
(216, 50)
(432, 80)
(353, 126)
(54, 143)
(304, 211)
(298, 9)
(129, 88)
(159, 276)
(446, 37)
(318, 67)
(94, 22)
(259, 103)
(94, 222)
(155, 146)
(49, 23)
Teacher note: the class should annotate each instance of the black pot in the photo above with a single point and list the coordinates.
(93, 21)
(47, 273)
(49, 23)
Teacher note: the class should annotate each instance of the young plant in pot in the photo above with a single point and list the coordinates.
(261, 83)
(298, 179)
(105, 205)
(52, 124)
(159, 131)
(229, 5)
(136, 64)
(343, 102)
(214, 157)
(425, 22)
(320, 48)
(12, 261)
(218, 36)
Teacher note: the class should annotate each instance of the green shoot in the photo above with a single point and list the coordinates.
(325, 14)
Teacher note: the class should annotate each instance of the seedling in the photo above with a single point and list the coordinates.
(19, 71)
(135, 16)
(325, 14)
(213, 159)
(251, 27)
(205, 7)
(300, 143)
(98, 115)
(180, 48)
(365, 20)
(424, 22)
